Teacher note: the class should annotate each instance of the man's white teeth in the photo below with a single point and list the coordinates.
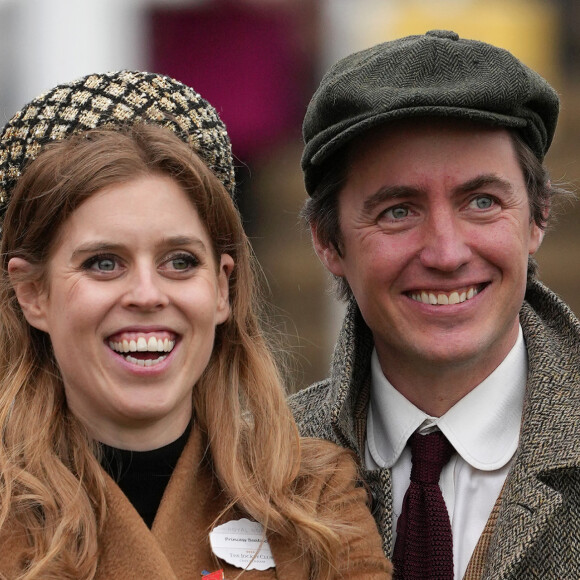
(144, 363)
(444, 298)
(143, 345)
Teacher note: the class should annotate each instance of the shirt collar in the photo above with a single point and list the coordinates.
(483, 426)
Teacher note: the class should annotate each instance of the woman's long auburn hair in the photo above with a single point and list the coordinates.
(51, 482)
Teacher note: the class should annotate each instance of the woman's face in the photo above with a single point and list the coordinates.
(133, 298)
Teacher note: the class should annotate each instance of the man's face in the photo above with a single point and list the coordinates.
(436, 234)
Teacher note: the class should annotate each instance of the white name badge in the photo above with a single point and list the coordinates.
(242, 544)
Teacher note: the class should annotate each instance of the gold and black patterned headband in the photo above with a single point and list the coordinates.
(109, 100)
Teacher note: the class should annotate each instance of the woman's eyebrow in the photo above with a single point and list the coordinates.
(175, 241)
(103, 247)
(96, 247)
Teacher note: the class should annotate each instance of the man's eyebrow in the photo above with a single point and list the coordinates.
(485, 180)
(393, 192)
(388, 192)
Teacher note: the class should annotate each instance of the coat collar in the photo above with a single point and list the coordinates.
(351, 374)
(552, 405)
(548, 459)
(548, 455)
(177, 546)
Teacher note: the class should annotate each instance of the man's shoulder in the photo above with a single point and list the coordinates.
(311, 408)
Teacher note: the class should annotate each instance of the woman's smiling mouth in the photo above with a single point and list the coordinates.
(142, 349)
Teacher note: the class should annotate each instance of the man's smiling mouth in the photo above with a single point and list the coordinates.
(142, 349)
(439, 298)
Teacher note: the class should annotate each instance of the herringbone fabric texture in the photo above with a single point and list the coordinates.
(436, 74)
(424, 545)
(537, 533)
(111, 100)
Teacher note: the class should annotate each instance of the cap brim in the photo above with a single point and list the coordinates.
(335, 138)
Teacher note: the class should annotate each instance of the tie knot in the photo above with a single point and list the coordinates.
(429, 454)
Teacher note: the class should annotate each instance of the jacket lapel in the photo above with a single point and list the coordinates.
(527, 507)
(128, 549)
(189, 511)
(548, 447)
(548, 441)
(350, 375)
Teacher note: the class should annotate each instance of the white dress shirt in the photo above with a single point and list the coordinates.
(483, 427)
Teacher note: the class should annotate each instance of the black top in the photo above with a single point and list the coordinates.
(144, 475)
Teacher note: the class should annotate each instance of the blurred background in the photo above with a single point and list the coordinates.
(258, 62)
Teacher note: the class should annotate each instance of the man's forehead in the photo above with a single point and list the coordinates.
(398, 155)
(415, 126)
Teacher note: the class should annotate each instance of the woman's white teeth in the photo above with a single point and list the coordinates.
(146, 362)
(444, 298)
(143, 345)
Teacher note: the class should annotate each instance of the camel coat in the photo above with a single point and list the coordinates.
(536, 535)
(177, 546)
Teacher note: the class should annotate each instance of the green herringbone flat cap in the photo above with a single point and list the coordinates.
(436, 74)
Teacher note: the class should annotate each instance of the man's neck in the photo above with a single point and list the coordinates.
(436, 388)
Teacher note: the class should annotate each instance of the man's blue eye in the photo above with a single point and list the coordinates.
(106, 264)
(484, 202)
(398, 213)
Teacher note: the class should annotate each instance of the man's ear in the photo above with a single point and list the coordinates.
(29, 292)
(327, 253)
(537, 232)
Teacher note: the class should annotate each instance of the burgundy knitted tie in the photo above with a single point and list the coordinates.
(424, 546)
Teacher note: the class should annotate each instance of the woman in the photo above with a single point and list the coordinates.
(140, 407)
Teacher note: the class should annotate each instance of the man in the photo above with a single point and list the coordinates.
(428, 199)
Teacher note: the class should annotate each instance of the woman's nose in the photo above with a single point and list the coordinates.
(145, 290)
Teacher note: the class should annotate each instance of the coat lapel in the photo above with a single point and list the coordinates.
(535, 488)
(177, 546)
(526, 510)
(128, 549)
(548, 441)
(351, 376)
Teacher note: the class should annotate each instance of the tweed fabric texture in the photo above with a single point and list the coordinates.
(436, 74)
(479, 557)
(537, 533)
(114, 99)
(424, 545)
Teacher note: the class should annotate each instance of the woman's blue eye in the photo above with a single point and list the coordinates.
(182, 262)
(101, 264)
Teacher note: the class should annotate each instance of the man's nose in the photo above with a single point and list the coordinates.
(446, 244)
(145, 289)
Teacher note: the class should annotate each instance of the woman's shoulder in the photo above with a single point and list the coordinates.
(14, 549)
(331, 473)
(331, 481)
(328, 459)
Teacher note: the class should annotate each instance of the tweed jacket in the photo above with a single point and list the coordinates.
(177, 546)
(537, 533)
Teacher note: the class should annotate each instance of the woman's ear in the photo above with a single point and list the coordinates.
(225, 271)
(29, 292)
